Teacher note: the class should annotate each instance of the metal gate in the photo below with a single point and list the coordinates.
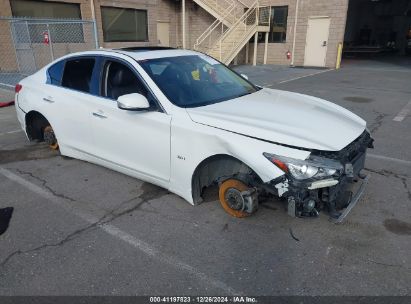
(29, 44)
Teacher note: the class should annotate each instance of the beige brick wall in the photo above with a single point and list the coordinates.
(41, 52)
(167, 12)
(335, 9)
(148, 5)
(197, 20)
(7, 55)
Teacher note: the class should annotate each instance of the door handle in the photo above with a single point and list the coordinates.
(99, 115)
(48, 99)
(324, 43)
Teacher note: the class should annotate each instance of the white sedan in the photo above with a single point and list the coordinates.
(184, 121)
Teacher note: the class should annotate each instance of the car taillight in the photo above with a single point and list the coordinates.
(18, 88)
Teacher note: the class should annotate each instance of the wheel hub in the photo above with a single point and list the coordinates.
(234, 199)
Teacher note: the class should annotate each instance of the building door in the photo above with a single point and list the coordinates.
(317, 41)
(163, 33)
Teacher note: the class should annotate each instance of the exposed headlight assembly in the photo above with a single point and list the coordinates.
(313, 167)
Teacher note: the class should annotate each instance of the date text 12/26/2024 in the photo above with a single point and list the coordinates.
(200, 299)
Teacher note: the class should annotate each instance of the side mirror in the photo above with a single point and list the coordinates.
(244, 76)
(133, 102)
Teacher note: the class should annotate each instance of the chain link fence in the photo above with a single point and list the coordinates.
(29, 44)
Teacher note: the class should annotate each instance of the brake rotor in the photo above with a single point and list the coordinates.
(231, 199)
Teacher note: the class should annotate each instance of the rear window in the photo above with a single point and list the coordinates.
(77, 74)
(55, 73)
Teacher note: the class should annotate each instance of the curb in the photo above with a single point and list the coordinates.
(6, 104)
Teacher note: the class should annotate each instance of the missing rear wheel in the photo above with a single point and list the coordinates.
(50, 138)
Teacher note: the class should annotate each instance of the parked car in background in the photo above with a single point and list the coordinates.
(184, 121)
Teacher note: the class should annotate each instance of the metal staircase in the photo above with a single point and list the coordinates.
(225, 11)
(235, 24)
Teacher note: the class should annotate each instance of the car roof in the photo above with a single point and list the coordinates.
(145, 48)
(142, 53)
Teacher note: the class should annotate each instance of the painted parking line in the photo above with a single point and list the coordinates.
(11, 132)
(304, 76)
(403, 113)
(7, 85)
(391, 159)
(112, 230)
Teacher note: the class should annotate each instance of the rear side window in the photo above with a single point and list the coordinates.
(55, 73)
(77, 74)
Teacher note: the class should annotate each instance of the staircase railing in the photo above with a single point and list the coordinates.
(239, 31)
(211, 35)
(218, 6)
(223, 39)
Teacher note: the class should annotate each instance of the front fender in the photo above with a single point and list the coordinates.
(192, 143)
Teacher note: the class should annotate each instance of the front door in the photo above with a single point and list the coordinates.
(134, 140)
(317, 41)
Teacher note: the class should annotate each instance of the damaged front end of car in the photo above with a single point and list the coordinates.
(324, 181)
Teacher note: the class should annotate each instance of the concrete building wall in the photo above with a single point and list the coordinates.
(7, 55)
(152, 16)
(167, 12)
(198, 20)
(276, 52)
(41, 52)
(335, 9)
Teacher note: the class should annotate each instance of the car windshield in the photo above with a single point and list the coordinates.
(196, 80)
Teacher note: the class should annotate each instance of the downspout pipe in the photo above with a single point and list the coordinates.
(295, 31)
(93, 17)
(183, 8)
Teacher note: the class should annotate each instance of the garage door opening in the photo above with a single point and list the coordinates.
(378, 30)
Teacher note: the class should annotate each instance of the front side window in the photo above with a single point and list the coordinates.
(278, 24)
(119, 79)
(124, 24)
(77, 74)
(195, 80)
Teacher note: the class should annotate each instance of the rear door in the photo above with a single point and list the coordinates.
(67, 100)
(134, 140)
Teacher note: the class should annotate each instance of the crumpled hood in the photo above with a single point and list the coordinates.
(284, 117)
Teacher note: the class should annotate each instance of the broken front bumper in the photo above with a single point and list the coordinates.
(306, 198)
(337, 194)
(338, 199)
(354, 200)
